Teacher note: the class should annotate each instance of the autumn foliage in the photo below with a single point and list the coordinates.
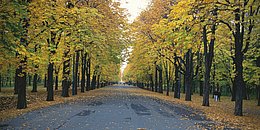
(195, 46)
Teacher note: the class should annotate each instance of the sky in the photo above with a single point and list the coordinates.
(134, 8)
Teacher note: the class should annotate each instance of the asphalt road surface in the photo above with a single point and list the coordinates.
(119, 111)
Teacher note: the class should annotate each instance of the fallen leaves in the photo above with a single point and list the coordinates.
(7, 102)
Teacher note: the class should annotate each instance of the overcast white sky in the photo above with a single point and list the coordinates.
(134, 7)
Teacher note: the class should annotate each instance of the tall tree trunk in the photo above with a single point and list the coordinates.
(35, 76)
(188, 75)
(239, 80)
(94, 78)
(10, 81)
(83, 71)
(88, 73)
(184, 83)
(0, 82)
(160, 79)
(93, 82)
(209, 53)
(177, 79)
(50, 94)
(167, 79)
(35, 81)
(50, 76)
(56, 81)
(156, 78)
(76, 79)
(200, 76)
(45, 80)
(21, 74)
(74, 82)
(3, 83)
(234, 90)
(65, 75)
(147, 84)
(192, 86)
(151, 82)
(21, 84)
(98, 81)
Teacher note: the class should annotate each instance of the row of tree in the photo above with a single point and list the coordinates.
(177, 43)
(76, 41)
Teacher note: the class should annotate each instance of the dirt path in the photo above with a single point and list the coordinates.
(116, 107)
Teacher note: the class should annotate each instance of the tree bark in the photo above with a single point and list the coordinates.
(88, 74)
(160, 79)
(167, 79)
(93, 82)
(209, 53)
(56, 81)
(35, 81)
(50, 94)
(45, 80)
(177, 79)
(98, 81)
(83, 71)
(35, 76)
(151, 82)
(21, 85)
(184, 83)
(50, 76)
(76, 79)
(0, 82)
(21, 74)
(234, 90)
(75, 73)
(65, 75)
(94, 78)
(156, 78)
(188, 75)
(239, 80)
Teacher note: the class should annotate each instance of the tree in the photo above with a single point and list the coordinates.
(21, 79)
(239, 18)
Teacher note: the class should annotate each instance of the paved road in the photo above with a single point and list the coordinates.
(122, 111)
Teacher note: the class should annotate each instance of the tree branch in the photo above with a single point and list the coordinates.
(228, 25)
